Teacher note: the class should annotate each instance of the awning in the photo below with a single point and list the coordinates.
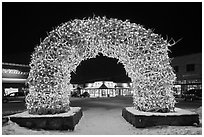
(13, 80)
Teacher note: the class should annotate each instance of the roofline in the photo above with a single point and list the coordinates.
(13, 80)
(13, 64)
(188, 55)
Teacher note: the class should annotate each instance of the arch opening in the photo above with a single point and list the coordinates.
(100, 68)
(143, 53)
(100, 77)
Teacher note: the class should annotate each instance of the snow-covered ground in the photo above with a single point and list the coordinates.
(104, 117)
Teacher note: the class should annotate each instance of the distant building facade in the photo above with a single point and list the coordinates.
(14, 78)
(107, 89)
(188, 70)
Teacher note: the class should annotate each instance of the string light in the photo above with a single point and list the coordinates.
(14, 71)
(143, 53)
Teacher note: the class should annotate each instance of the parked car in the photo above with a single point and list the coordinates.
(75, 94)
(177, 95)
(85, 94)
(15, 96)
(192, 94)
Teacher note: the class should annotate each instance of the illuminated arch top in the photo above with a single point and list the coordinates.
(143, 53)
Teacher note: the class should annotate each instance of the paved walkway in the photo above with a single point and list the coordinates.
(103, 121)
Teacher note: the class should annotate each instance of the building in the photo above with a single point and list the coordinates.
(107, 89)
(188, 70)
(14, 78)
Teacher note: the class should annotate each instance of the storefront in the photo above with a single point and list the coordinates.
(14, 78)
(107, 89)
(181, 86)
(188, 71)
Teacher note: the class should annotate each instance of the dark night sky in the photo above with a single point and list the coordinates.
(25, 24)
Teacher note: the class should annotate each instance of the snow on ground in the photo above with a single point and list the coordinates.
(103, 120)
